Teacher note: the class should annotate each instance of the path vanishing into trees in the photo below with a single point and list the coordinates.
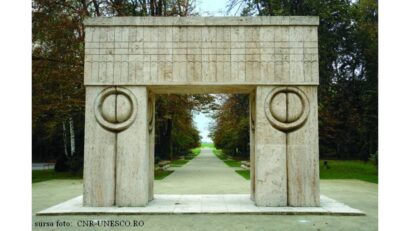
(205, 174)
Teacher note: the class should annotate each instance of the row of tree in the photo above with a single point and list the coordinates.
(230, 131)
(348, 69)
(58, 91)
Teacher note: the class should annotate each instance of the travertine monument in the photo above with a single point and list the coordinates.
(130, 59)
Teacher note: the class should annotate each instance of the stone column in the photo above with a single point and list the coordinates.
(116, 147)
(303, 156)
(286, 162)
(99, 156)
(270, 157)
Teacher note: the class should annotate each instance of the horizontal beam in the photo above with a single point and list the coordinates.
(204, 21)
(200, 88)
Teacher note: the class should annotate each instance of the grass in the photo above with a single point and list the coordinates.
(349, 169)
(227, 159)
(179, 162)
(196, 151)
(50, 174)
(245, 173)
(161, 174)
(207, 145)
(340, 169)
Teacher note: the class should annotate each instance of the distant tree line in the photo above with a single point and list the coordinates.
(58, 91)
(348, 70)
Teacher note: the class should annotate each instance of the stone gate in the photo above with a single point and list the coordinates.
(130, 59)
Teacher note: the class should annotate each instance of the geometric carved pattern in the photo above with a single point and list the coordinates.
(115, 108)
(286, 108)
(151, 55)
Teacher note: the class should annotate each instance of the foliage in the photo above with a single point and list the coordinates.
(231, 129)
(57, 72)
(374, 158)
(348, 70)
(175, 130)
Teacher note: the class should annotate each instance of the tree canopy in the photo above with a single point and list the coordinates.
(57, 72)
(348, 70)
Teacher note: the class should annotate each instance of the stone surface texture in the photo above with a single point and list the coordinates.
(208, 203)
(195, 51)
(130, 59)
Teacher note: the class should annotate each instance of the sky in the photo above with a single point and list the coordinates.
(215, 8)
(211, 7)
(202, 122)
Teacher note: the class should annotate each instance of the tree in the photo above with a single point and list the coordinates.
(231, 129)
(348, 91)
(57, 70)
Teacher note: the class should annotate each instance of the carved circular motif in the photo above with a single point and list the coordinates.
(115, 108)
(286, 108)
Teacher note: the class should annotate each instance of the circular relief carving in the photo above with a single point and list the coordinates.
(115, 108)
(287, 108)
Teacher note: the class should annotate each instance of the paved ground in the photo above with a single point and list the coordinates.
(357, 194)
(205, 174)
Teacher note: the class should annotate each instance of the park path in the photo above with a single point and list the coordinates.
(205, 174)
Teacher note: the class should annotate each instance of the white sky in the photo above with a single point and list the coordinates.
(214, 8)
(202, 122)
(211, 7)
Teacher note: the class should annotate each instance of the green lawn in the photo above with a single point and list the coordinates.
(226, 159)
(196, 151)
(340, 169)
(245, 173)
(179, 162)
(349, 169)
(207, 145)
(50, 174)
(161, 174)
